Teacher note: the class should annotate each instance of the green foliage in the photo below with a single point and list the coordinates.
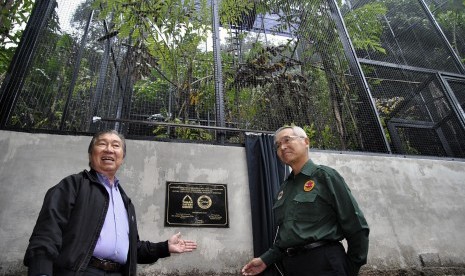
(49, 74)
(183, 133)
(13, 17)
(148, 89)
(302, 80)
(408, 148)
(275, 83)
(452, 21)
(233, 12)
(167, 36)
(329, 141)
(310, 131)
(312, 87)
(364, 26)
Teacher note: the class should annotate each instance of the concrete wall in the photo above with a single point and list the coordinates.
(415, 207)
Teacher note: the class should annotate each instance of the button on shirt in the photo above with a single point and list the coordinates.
(113, 242)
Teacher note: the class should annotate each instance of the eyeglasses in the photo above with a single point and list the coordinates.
(285, 140)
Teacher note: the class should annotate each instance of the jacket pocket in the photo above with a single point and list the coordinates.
(305, 197)
(305, 207)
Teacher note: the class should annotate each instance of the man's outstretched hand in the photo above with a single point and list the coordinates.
(254, 267)
(178, 245)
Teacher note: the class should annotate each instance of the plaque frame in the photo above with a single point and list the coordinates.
(193, 204)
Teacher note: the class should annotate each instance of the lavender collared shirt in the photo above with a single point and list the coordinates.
(113, 242)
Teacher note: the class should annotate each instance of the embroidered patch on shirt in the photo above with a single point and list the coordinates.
(308, 186)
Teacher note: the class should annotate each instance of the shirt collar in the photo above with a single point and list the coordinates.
(104, 180)
(308, 168)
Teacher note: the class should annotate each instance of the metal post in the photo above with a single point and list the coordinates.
(454, 55)
(377, 138)
(77, 65)
(97, 97)
(219, 89)
(23, 57)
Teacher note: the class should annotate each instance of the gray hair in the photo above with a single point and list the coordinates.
(295, 129)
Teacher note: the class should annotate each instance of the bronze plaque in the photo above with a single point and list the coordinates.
(196, 204)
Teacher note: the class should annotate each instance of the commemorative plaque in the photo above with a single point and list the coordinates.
(196, 204)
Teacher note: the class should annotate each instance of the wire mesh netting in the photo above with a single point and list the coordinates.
(377, 76)
(407, 69)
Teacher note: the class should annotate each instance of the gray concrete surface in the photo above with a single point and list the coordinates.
(415, 207)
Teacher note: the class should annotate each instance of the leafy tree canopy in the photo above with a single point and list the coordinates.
(13, 17)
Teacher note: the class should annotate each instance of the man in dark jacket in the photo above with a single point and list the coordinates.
(87, 224)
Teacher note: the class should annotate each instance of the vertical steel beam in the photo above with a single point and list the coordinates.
(23, 57)
(219, 88)
(377, 139)
(77, 65)
(433, 21)
(96, 99)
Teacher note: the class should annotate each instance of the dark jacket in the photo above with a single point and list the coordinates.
(69, 225)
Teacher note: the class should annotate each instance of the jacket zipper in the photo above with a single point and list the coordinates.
(92, 245)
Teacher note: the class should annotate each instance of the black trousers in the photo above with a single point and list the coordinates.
(326, 260)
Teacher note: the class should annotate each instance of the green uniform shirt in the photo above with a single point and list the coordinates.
(315, 205)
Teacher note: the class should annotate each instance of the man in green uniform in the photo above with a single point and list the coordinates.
(314, 211)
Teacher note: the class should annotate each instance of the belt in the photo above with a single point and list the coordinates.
(292, 251)
(105, 265)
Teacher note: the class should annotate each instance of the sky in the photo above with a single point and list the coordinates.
(65, 12)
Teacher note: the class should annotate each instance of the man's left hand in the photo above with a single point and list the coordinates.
(178, 245)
